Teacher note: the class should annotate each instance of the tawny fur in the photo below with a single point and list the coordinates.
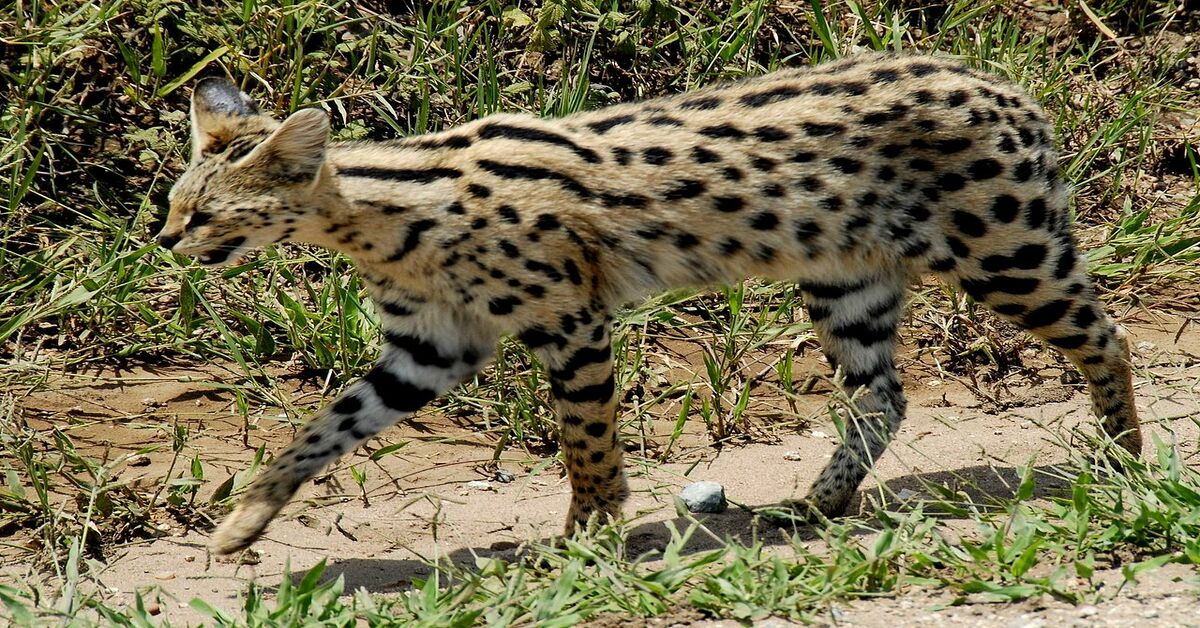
(849, 178)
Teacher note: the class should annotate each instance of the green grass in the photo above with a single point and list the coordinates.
(1148, 515)
(93, 131)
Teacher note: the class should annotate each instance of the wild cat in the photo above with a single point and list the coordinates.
(850, 179)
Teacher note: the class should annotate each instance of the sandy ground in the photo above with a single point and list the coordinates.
(419, 506)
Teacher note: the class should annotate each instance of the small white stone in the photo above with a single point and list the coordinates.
(817, 434)
(139, 460)
(1150, 613)
(792, 455)
(1087, 611)
(479, 485)
(704, 497)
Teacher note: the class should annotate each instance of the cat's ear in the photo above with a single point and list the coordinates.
(296, 150)
(219, 113)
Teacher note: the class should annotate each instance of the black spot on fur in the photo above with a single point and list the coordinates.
(537, 337)
(951, 182)
(832, 203)
(723, 131)
(968, 224)
(664, 121)
(1023, 171)
(604, 126)
(885, 76)
(1027, 257)
(657, 155)
(686, 240)
(1005, 208)
(595, 393)
(701, 103)
(951, 146)
(1035, 213)
(764, 221)
(582, 358)
(846, 165)
(728, 204)
(395, 309)
(421, 351)
(412, 239)
(764, 164)
(1084, 317)
(957, 247)
(1073, 341)
(957, 98)
(943, 264)
(818, 129)
(548, 270)
(811, 183)
(984, 169)
(979, 289)
(345, 405)
(702, 155)
(1047, 314)
(729, 246)
(685, 188)
(397, 394)
(508, 249)
(771, 96)
(572, 271)
(771, 134)
(501, 306)
(1065, 263)
(922, 69)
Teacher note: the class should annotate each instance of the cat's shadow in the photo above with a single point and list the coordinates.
(980, 485)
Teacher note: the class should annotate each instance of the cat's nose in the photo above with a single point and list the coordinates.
(168, 241)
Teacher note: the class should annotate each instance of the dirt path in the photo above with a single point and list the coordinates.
(432, 497)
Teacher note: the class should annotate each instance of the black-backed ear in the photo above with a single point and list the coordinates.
(296, 150)
(218, 109)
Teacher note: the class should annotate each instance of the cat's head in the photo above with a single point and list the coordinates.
(251, 178)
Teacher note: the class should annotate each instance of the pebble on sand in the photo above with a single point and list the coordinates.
(704, 497)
